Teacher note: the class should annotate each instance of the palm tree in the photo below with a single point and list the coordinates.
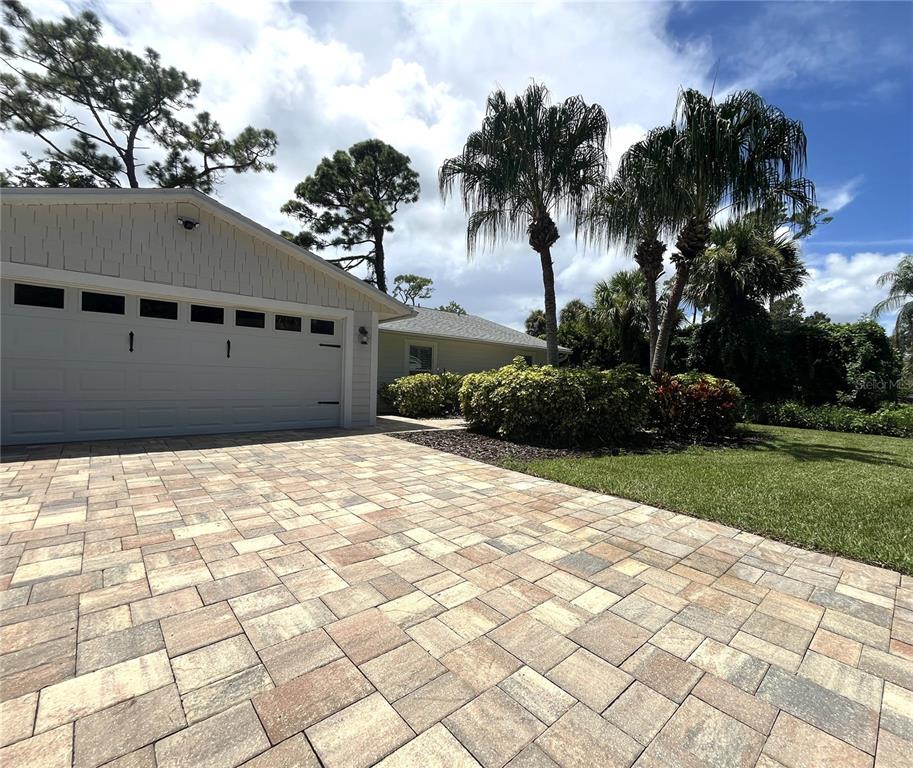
(530, 162)
(746, 260)
(900, 295)
(627, 211)
(622, 304)
(735, 156)
(535, 323)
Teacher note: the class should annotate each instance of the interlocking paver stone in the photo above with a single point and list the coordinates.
(841, 717)
(305, 700)
(127, 727)
(493, 727)
(227, 739)
(360, 734)
(581, 738)
(698, 734)
(234, 593)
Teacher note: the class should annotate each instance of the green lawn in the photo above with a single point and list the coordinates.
(830, 491)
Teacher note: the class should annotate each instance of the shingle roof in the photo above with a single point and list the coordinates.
(433, 322)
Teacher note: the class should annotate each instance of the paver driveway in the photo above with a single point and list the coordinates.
(355, 599)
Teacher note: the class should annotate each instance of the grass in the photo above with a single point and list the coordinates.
(835, 492)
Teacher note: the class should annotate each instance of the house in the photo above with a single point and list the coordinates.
(432, 340)
(153, 312)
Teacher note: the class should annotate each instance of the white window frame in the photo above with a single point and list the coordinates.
(419, 343)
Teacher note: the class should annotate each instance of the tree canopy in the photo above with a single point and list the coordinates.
(349, 202)
(452, 306)
(409, 288)
(99, 109)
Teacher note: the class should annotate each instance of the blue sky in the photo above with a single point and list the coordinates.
(416, 74)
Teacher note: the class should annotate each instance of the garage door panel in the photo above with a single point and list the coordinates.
(156, 418)
(96, 420)
(24, 421)
(34, 380)
(70, 375)
(36, 337)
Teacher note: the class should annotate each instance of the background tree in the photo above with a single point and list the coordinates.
(746, 260)
(452, 306)
(900, 298)
(788, 309)
(529, 163)
(408, 288)
(96, 108)
(737, 155)
(621, 303)
(349, 203)
(535, 324)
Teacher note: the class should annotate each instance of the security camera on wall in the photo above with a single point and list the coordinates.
(188, 223)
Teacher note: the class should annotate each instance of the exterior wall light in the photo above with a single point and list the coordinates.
(363, 335)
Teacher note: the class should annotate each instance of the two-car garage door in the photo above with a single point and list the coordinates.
(83, 364)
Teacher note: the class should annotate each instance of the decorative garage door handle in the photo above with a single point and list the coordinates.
(131, 341)
(228, 348)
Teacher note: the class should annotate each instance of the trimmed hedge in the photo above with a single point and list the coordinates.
(696, 406)
(557, 406)
(425, 395)
(892, 421)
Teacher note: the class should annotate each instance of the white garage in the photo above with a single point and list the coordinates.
(162, 312)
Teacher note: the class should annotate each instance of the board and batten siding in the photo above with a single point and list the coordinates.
(449, 354)
(143, 241)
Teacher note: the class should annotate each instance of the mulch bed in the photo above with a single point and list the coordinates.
(492, 450)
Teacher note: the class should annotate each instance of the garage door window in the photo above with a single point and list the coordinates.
(163, 310)
(108, 303)
(247, 319)
(38, 296)
(200, 313)
(288, 323)
(421, 359)
(325, 327)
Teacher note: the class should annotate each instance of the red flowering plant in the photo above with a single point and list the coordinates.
(696, 406)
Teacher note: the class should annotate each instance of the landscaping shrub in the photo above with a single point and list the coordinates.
(557, 406)
(892, 421)
(696, 406)
(815, 363)
(425, 395)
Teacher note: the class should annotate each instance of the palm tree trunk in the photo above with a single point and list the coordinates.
(652, 318)
(551, 312)
(682, 270)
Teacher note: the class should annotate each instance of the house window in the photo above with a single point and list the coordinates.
(162, 310)
(38, 296)
(324, 327)
(109, 303)
(421, 359)
(247, 319)
(200, 313)
(288, 323)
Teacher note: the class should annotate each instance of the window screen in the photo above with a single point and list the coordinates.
(420, 359)
(38, 296)
(109, 303)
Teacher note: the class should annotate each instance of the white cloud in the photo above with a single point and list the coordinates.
(843, 285)
(839, 196)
